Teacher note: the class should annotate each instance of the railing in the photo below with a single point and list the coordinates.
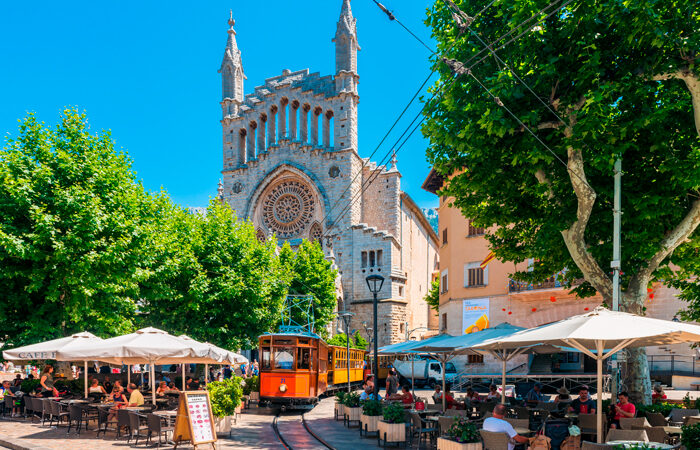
(673, 364)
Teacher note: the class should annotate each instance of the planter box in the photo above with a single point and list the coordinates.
(391, 432)
(368, 424)
(447, 444)
(339, 411)
(223, 424)
(352, 415)
(255, 397)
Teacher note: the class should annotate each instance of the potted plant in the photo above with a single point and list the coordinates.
(252, 389)
(352, 408)
(369, 419)
(462, 435)
(339, 406)
(392, 427)
(690, 438)
(225, 398)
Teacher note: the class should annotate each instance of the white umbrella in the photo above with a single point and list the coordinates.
(594, 332)
(146, 346)
(223, 356)
(51, 349)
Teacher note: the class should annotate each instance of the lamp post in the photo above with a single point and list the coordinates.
(413, 357)
(375, 283)
(346, 316)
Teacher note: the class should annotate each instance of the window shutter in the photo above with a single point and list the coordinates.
(486, 276)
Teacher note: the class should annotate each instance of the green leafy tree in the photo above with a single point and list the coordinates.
(360, 342)
(611, 79)
(75, 232)
(308, 272)
(432, 298)
(215, 281)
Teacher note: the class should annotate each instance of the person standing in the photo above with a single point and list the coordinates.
(392, 383)
(46, 382)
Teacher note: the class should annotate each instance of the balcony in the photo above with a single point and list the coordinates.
(553, 282)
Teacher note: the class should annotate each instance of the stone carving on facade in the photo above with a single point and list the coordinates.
(237, 187)
(288, 208)
(334, 171)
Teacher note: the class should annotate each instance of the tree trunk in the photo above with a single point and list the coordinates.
(637, 379)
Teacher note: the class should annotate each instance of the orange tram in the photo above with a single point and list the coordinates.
(296, 368)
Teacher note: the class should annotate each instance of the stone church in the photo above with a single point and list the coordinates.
(291, 165)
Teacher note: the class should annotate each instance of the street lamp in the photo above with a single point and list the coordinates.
(375, 283)
(347, 316)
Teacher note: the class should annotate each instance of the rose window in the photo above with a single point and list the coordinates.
(288, 209)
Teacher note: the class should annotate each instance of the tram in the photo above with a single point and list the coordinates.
(296, 368)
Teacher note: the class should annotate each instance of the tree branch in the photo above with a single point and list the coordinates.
(553, 125)
(574, 236)
(680, 233)
(693, 84)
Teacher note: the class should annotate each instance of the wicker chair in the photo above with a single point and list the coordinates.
(677, 416)
(522, 423)
(655, 434)
(155, 427)
(135, 427)
(493, 440)
(104, 422)
(627, 435)
(656, 419)
(585, 445)
(628, 423)
(419, 427)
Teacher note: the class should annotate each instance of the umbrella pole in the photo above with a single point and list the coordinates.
(85, 378)
(183, 375)
(444, 399)
(206, 373)
(128, 374)
(413, 380)
(503, 378)
(153, 377)
(599, 397)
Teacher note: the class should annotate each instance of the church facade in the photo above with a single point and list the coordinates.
(291, 165)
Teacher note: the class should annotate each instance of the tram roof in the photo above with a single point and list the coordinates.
(308, 334)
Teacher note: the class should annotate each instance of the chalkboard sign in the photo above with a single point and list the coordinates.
(194, 422)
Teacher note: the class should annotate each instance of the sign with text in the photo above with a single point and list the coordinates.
(475, 315)
(194, 422)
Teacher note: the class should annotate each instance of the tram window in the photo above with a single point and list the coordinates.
(266, 357)
(284, 358)
(303, 341)
(303, 358)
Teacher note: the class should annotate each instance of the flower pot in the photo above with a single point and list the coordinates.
(368, 424)
(223, 424)
(391, 432)
(448, 444)
(352, 414)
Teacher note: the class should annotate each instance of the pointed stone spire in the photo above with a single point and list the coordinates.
(231, 69)
(346, 44)
(220, 191)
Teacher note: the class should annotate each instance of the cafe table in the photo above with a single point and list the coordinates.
(168, 415)
(639, 444)
(138, 408)
(673, 430)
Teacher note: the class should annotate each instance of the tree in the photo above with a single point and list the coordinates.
(611, 79)
(310, 273)
(215, 281)
(75, 231)
(360, 342)
(432, 298)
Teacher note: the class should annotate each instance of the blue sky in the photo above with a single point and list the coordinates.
(147, 71)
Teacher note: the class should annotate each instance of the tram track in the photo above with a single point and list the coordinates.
(297, 435)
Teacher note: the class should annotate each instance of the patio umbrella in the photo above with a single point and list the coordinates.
(146, 346)
(407, 347)
(594, 332)
(50, 350)
(225, 357)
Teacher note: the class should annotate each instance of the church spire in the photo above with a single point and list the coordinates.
(231, 69)
(346, 45)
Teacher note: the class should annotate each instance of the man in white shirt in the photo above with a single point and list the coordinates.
(498, 425)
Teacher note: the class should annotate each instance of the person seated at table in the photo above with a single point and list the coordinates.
(437, 394)
(95, 387)
(450, 402)
(172, 387)
(18, 380)
(535, 395)
(583, 404)
(496, 424)
(368, 393)
(473, 396)
(563, 395)
(493, 393)
(107, 385)
(369, 382)
(188, 383)
(405, 396)
(6, 391)
(135, 396)
(658, 395)
(195, 385)
(162, 388)
(117, 396)
(623, 409)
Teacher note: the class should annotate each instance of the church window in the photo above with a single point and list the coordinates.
(379, 257)
(371, 258)
(287, 208)
(260, 235)
(364, 260)
(316, 233)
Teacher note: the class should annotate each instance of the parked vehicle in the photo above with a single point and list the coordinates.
(427, 372)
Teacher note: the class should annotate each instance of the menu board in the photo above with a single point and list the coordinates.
(194, 420)
(200, 418)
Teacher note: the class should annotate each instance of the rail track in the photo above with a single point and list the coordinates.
(295, 434)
